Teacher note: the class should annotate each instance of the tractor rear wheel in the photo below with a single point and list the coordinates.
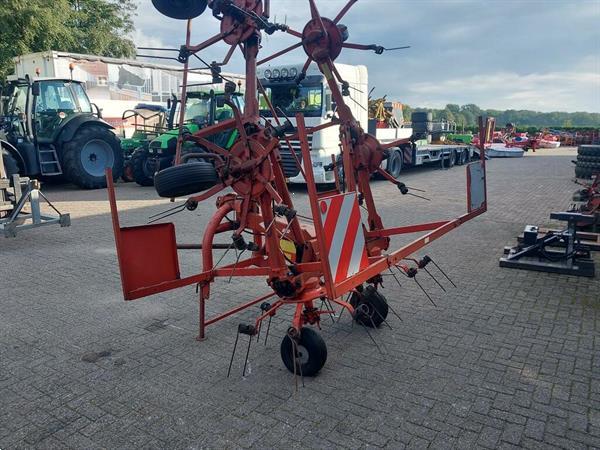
(85, 158)
(143, 167)
(10, 165)
(310, 353)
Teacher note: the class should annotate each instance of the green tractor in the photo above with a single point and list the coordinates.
(149, 122)
(49, 128)
(202, 109)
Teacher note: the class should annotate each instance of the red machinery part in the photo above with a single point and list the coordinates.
(336, 252)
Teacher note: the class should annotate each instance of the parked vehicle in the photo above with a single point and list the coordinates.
(311, 96)
(149, 121)
(202, 109)
(51, 128)
(114, 84)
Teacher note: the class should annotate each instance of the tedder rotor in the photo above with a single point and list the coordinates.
(337, 252)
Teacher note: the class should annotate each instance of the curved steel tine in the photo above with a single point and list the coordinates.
(434, 279)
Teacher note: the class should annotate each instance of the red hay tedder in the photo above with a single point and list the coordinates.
(337, 252)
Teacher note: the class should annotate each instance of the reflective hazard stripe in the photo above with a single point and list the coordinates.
(344, 238)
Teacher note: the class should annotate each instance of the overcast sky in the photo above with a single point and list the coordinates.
(505, 54)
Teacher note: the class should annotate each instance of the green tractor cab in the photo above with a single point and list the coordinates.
(51, 129)
(202, 109)
(149, 122)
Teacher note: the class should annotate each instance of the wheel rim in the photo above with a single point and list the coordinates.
(302, 355)
(96, 156)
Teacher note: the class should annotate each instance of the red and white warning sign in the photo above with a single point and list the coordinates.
(344, 237)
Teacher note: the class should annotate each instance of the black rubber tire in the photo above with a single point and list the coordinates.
(142, 173)
(311, 353)
(589, 150)
(591, 159)
(185, 179)
(375, 309)
(10, 164)
(394, 163)
(422, 129)
(71, 157)
(421, 116)
(581, 172)
(451, 159)
(588, 165)
(127, 176)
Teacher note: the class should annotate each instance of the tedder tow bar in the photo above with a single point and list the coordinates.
(337, 252)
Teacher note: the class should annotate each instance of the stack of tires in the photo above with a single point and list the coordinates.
(588, 161)
(422, 124)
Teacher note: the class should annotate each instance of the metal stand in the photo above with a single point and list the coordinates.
(532, 253)
(13, 200)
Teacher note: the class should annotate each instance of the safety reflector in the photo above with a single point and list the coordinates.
(289, 249)
(344, 236)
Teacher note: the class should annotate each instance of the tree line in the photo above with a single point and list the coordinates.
(466, 116)
(97, 27)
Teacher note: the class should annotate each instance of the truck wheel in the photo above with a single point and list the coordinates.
(143, 167)
(451, 158)
(89, 153)
(394, 164)
(185, 179)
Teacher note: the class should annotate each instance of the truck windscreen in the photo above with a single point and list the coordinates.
(293, 99)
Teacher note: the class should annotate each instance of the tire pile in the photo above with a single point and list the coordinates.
(588, 161)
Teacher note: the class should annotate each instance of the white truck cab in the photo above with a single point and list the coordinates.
(312, 98)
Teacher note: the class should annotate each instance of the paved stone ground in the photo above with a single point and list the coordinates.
(509, 359)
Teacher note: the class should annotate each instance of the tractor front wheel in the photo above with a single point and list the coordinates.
(308, 352)
(143, 167)
(85, 158)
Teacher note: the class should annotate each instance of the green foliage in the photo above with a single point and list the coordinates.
(466, 116)
(96, 27)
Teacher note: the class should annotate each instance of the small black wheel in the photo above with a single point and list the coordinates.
(370, 307)
(311, 352)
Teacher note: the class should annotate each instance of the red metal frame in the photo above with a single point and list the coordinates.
(251, 168)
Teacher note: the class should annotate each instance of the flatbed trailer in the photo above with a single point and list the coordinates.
(432, 153)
